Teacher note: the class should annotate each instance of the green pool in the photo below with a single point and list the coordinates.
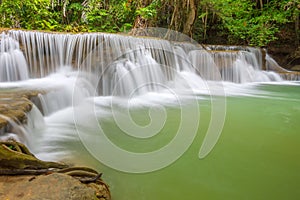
(257, 155)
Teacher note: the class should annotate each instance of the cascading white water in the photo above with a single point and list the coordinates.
(119, 63)
(239, 64)
(204, 64)
(136, 74)
(67, 89)
(272, 65)
(13, 65)
(72, 67)
(108, 64)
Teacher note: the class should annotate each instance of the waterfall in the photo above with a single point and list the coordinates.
(13, 66)
(69, 89)
(272, 65)
(125, 65)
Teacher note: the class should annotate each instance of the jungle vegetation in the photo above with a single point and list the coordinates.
(248, 22)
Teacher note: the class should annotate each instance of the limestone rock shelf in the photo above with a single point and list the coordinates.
(14, 105)
(52, 186)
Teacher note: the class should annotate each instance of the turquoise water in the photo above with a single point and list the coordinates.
(256, 156)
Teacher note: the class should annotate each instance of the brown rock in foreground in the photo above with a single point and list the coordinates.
(52, 181)
(51, 187)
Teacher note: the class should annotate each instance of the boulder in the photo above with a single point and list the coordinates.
(23, 176)
(51, 187)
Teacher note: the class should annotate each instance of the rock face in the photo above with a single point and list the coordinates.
(51, 187)
(296, 68)
(15, 104)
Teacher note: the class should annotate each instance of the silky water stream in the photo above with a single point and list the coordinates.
(161, 120)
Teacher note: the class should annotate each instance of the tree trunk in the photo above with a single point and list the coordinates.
(191, 17)
(297, 28)
(184, 16)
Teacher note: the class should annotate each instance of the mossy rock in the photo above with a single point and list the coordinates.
(15, 158)
(61, 181)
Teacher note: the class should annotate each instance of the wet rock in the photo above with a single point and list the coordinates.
(53, 186)
(14, 105)
(15, 158)
(23, 176)
(296, 68)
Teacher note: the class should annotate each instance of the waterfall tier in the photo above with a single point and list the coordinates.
(121, 65)
(13, 66)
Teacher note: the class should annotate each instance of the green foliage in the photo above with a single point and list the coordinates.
(26, 14)
(109, 18)
(74, 12)
(238, 21)
(12, 147)
(67, 15)
(148, 12)
(97, 18)
(245, 21)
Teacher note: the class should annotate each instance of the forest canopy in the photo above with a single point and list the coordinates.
(249, 22)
